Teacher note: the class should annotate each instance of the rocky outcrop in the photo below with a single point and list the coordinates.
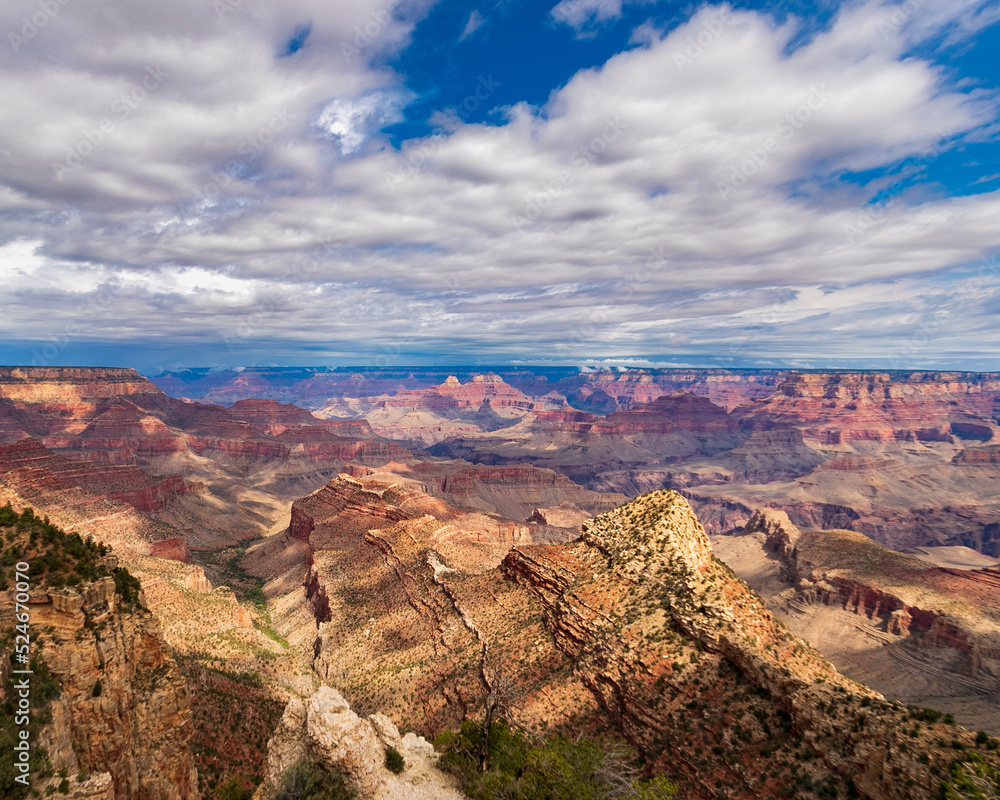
(197, 582)
(174, 548)
(340, 514)
(122, 714)
(978, 456)
(565, 515)
(324, 730)
(453, 394)
(655, 553)
(63, 386)
(937, 608)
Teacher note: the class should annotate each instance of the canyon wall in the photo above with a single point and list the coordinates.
(122, 709)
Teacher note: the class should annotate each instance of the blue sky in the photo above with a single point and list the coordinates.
(579, 182)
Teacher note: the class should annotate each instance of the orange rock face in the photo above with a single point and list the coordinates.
(123, 483)
(635, 627)
(845, 407)
(452, 394)
(123, 706)
(113, 435)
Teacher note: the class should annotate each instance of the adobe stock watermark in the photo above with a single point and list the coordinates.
(368, 31)
(636, 281)
(265, 308)
(871, 215)
(712, 25)
(56, 343)
(121, 107)
(20, 697)
(784, 130)
(277, 298)
(224, 7)
(900, 15)
(416, 157)
(740, 347)
(391, 353)
(33, 25)
(929, 330)
(581, 160)
(250, 148)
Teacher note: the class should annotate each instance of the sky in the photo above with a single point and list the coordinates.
(384, 182)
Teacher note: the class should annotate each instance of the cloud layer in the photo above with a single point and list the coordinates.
(179, 173)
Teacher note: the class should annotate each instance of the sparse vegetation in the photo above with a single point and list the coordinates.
(233, 789)
(56, 558)
(309, 781)
(557, 767)
(394, 761)
(972, 780)
(234, 715)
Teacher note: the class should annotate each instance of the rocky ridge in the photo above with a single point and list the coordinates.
(635, 628)
(654, 552)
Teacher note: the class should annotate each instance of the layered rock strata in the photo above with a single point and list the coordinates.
(122, 714)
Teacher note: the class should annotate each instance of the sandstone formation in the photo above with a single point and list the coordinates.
(197, 582)
(211, 474)
(122, 714)
(662, 642)
(326, 731)
(424, 416)
(919, 633)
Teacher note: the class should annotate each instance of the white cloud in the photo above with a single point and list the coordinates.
(354, 121)
(582, 15)
(472, 24)
(644, 210)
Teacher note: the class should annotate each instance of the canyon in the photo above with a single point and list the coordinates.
(412, 539)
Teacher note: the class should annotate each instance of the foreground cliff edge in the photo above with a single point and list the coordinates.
(109, 713)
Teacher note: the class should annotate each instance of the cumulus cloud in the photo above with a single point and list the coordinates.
(352, 122)
(584, 15)
(170, 174)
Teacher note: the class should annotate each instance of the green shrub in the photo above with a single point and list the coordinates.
(973, 780)
(309, 781)
(127, 586)
(394, 760)
(925, 714)
(550, 770)
(233, 789)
